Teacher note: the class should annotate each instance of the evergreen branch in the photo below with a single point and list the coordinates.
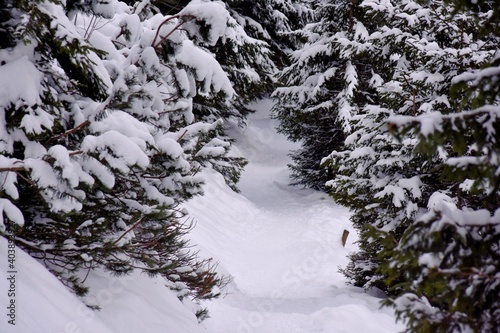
(467, 272)
(71, 131)
(154, 44)
(159, 27)
(168, 35)
(22, 168)
(410, 121)
(180, 138)
(13, 169)
(135, 225)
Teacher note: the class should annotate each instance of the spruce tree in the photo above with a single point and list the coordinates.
(277, 22)
(101, 142)
(385, 181)
(324, 86)
(245, 60)
(448, 257)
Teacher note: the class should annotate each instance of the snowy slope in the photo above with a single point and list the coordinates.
(282, 246)
(43, 304)
(131, 304)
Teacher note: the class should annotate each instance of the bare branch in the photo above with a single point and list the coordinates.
(12, 169)
(154, 44)
(180, 138)
(128, 230)
(71, 131)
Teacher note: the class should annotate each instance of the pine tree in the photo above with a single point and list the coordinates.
(324, 86)
(448, 257)
(385, 181)
(277, 22)
(101, 142)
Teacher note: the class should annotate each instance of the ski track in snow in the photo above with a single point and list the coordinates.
(281, 245)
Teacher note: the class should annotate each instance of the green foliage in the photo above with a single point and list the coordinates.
(439, 264)
(276, 22)
(421, 160)
(103, 146)
(325, 85)
(448, 261)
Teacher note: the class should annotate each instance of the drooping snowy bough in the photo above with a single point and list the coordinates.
(107, 114)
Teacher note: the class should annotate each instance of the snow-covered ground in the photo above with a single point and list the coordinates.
(131, 304)
(281, 245)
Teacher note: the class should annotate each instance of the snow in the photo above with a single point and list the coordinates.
(11, 212)
(413, 185)
(213, 13)
(101, 172)
(125, 152)
(206, 68)
(431, 260)
(281, 245)
(20, 81)
(69, 169)
(134, 303)
(398, 194)
(52, 187)
(129, 126)
(9, 179)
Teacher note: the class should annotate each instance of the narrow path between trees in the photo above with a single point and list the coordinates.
(282, 246)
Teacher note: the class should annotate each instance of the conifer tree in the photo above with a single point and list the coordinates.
(384, 180)
(448, 257)
(100, 143)
(245, 60)
(324, 87)
(277, 22)
(423, 201)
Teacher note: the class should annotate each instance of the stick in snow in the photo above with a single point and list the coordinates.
(345, 234)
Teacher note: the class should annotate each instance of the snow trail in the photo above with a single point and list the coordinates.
(282, 246)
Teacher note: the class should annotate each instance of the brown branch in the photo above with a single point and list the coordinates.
(71, 131)
(168, 35)
(161, 25)
(13, 169)
(76, 152)
(180, 138)
(128, 230)
(154, 44)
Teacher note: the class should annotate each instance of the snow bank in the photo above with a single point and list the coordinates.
(42, 303)
(129, 304)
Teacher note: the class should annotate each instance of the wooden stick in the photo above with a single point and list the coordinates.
(345, 234)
